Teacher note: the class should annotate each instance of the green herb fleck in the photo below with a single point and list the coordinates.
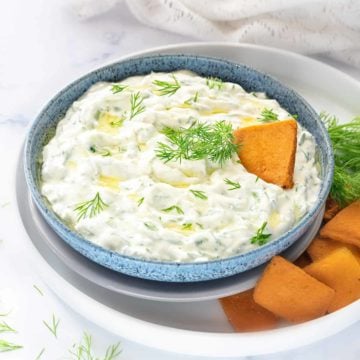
(167, 88)
(97, 114)
(234, 185)
(53, 326)
(116, 88)
(257, 179)
(150, 226)
(260, 238)
(140, 201)
(174, 207)
(214, 82)
(91, 207)
(40, 354)
(295, 116)
(187, 226)
(136, 105)
(193, 99)
(4, 327)
(38, 290)
(200, 194)
(267, 115)
(105, 153)
(7, 346)
(102, 152)
(119, 122)
(199, 141)
(196, 97)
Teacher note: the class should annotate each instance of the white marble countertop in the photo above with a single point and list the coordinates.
(43, 45)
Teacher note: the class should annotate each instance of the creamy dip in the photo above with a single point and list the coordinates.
(174, 211)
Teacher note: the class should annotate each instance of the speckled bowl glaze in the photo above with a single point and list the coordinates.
(44, 125)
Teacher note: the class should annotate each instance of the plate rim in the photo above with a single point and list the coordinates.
(208, 343)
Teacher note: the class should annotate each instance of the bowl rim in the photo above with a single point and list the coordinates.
(51, 217)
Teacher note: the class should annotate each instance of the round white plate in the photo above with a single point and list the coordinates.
(49, 244)
(200, 328)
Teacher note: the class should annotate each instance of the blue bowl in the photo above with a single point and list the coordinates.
(44, 126)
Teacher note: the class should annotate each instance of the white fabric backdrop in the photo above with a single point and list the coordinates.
(305, 26)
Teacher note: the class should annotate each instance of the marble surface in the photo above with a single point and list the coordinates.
(43, 45)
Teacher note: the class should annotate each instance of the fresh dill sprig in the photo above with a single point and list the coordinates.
(38, 289)
(214, 82)
(112, 352)
(150, 226)
(200, 194)
(187, 226)
(116, 88)
(91, 207)
(53, 326)
(4, 327)
(212, 141)
(260, 238)
(174, 207)
(267, 115)
(136, 105)
(140, 201)
(8, 346)
(167, 88)
(83, 350)
(40, 354)
(345, 139)
(234, 185)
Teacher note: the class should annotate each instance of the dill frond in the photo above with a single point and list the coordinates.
(167, 88)
(91, 207)
(268, 115)
(345, 139)
(199, 141)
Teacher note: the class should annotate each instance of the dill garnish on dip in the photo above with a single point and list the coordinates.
(148, 167)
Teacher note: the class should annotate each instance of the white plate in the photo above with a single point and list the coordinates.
(201, 328)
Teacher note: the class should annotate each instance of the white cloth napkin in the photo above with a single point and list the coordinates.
(304, 26)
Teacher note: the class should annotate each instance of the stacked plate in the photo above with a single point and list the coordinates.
(184, 316)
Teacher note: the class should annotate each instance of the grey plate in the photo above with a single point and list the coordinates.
(49, 244)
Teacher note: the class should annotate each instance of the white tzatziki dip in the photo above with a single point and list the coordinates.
(103, 176)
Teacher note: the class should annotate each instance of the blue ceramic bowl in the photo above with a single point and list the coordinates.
(251, 80)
